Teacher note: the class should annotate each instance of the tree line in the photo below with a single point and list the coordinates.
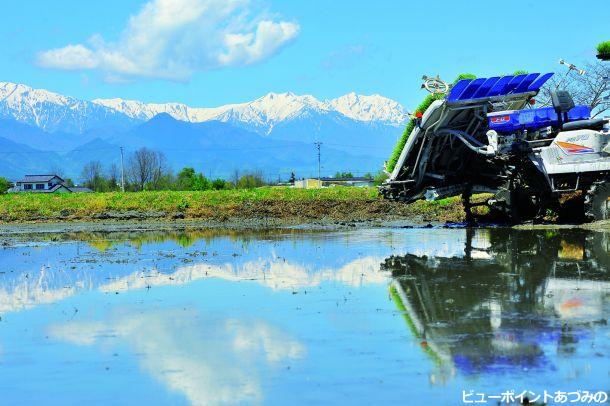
(4, 185)
(147, 169)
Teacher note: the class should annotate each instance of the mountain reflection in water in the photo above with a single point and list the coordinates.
(302, 316)
(50, 268)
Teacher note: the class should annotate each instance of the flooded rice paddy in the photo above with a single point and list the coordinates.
(382, 316)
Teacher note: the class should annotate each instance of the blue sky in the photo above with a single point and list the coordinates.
(213, 52)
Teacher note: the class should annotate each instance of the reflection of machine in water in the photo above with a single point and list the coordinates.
(508, 296)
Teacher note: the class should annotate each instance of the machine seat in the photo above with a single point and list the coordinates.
(591, 124)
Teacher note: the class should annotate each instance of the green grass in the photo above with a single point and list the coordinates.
(31, 206)
(266, 203)
(603, 49)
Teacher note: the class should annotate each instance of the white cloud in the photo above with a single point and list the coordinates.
(172, 39)
(70, 57)
(254, 46)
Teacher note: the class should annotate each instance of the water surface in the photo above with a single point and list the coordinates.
(276, 317)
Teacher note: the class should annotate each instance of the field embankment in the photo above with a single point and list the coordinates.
(267, 204)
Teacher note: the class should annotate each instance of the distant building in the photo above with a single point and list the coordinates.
(41, 184)
(307, 184)
(355, 181)
(80, 189)
(331, 182)
(45, 184)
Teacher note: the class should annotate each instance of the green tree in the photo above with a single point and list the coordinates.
(92, 177)
(186, 179)
(113, 178)
(4, 185)
(148, 170)
(344, 175)
(164, 181)
(380, 178)
(220, 184)
(201, 183)
(250, 181)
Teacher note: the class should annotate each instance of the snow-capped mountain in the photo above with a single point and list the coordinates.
(265, 113)
(370, 108)
(54, 112)
(358, 132)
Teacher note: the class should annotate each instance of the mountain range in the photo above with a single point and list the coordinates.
(42, 131)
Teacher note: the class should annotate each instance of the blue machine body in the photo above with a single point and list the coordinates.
(511, 121)
(466, 90)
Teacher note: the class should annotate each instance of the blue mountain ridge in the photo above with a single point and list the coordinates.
(216, 148)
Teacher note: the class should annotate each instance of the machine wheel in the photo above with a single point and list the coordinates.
(520, 205)
(597, 201)
(513, 205)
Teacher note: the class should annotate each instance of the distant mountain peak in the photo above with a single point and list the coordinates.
(275, 132)
(55, 112)
(369, 108)
(163, 117)
(268, 110)
(13, 92)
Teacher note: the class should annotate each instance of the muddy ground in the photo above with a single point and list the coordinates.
(6, 230)
(249, 214)
(322, 214)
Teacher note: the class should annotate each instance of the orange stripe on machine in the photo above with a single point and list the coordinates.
(574, 148)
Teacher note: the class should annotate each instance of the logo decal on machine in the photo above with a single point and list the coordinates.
(499, 119)
(570, 148)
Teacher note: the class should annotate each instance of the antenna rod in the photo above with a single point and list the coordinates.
(572, 67)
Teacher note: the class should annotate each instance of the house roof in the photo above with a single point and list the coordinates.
(38, 178)
(78, 189)
(53, 189)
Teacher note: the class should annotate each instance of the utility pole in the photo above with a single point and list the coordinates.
(318, 144)
(122, 172)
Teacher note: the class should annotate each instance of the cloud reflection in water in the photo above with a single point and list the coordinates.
(210, 361)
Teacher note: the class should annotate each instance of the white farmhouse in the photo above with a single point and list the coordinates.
(41, 184)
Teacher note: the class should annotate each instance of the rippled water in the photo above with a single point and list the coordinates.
(396, 316)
